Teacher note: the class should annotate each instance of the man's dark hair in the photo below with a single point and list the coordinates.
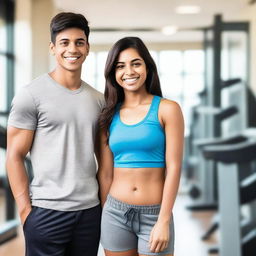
(66, 20)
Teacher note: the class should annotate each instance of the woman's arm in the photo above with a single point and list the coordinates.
(171, 116)
(105, 166)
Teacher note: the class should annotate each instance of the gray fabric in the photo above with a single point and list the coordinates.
(62, 153)
(125, 227)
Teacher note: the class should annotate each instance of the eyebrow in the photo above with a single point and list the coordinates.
(66, 39)
(131, 61)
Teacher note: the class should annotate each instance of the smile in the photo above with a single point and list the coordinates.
(131, 80)
(72, 58)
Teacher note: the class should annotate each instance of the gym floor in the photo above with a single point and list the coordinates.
(189, 227)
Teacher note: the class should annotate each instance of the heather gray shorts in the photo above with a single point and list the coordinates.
(125, 227)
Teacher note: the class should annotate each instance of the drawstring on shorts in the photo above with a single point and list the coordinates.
(132, 216)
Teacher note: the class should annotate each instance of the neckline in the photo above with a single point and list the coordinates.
(140, 122)
(64, 88)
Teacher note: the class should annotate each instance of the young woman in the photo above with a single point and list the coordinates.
(140, 155)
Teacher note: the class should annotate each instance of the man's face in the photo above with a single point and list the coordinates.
(70, 49)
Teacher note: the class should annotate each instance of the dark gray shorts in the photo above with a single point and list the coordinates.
(49, 232)
(125, 227)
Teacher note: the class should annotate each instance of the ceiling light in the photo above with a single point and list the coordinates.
(169, 30)
(188, 9)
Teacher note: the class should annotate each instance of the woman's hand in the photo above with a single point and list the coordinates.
(159, 237)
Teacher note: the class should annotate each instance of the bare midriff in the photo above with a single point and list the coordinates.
(139, 186)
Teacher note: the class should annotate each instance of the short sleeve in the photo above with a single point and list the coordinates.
(102, 102)
(23, 112)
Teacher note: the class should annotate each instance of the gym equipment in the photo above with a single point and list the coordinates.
(223, 104)
(206, 186)
(224, 113)
(236, 187)
(242, 137)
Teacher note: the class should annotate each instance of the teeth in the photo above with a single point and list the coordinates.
(71, 58)
(130, 79)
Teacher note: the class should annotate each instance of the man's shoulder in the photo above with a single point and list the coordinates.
(36, 83)
(31, 88)
(92, 89)
(97, 95)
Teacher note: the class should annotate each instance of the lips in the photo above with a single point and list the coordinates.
(72, 58)
(131, 80)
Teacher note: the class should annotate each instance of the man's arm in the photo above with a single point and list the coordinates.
(19, 142)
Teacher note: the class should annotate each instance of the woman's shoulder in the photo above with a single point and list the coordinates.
(169, 110)
(169, 105)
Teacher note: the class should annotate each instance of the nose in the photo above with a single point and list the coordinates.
(72, 48)
(129, 70)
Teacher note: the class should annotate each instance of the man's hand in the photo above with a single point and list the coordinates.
(24, 214)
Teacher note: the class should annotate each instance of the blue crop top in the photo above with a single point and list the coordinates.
(139, 145)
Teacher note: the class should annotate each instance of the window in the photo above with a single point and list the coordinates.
(6, 57)
(6, 66)
(3, 82)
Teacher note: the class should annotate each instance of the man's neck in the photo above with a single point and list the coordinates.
(70, 80)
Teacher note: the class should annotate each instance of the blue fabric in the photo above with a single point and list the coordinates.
(139, 145)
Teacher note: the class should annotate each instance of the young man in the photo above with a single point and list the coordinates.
(55, 119)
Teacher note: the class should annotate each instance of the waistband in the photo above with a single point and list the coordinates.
(139, 164)
(145, 209)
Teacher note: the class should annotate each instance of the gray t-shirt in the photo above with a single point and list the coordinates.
(62, 153)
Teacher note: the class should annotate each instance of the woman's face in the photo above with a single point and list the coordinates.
(131, 71)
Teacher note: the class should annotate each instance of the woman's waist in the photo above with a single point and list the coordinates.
(144, 178)
(136, 197)
(139, 172)
(132, 208)
(138, 189)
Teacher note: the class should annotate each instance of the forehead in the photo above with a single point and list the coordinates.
(71, 34)
(129, 54)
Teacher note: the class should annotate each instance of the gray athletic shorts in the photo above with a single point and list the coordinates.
(125, 227)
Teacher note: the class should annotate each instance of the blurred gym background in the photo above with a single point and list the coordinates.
(205, 52)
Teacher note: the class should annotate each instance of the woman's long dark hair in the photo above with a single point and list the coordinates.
(114, 93)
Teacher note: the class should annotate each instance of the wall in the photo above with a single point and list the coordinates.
(32, 37)
(155, 46)
(23, 43)
(43, 11)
